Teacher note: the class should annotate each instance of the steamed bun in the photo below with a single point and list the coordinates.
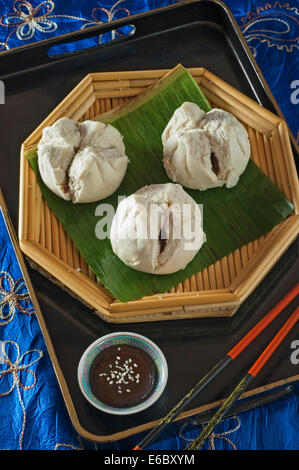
(82, 162)
(204, 150)
(158, 229)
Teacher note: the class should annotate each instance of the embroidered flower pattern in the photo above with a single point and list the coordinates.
(26, 19)
(13, 295)
(15, 370)
(103, 15)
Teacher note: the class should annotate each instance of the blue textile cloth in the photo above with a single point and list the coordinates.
(32, 410)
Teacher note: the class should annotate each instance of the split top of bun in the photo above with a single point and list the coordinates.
(82, 162)
(204, 150)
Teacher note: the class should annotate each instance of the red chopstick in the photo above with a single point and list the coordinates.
(273, 345)
(244, 382)
(261, 325)
(231, 355)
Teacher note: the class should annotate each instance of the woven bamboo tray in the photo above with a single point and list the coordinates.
(216, 291)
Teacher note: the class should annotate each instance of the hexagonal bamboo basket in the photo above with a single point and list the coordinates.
(216, 291)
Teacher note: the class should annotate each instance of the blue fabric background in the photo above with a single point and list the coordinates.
(32, 411)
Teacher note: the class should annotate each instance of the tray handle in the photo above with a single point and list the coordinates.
(80, 42)
(39, 54)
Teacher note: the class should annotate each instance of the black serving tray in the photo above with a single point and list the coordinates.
(195, 33)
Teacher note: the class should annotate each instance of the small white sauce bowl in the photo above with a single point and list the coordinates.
(132, 339)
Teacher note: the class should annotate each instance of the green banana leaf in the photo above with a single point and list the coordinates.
(231, 217)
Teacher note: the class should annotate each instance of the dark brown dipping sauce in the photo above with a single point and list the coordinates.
(123, 376)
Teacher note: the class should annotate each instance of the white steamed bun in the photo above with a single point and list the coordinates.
(82, 162)
(158, 229)
(204, 150)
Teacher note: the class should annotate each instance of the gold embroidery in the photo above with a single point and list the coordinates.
(13, 298)
(255, 27)
(213, 436)
(15, 367)
(26, 19)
